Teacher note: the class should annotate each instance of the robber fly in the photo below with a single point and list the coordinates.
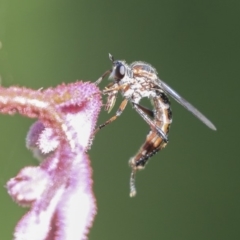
(136, 81)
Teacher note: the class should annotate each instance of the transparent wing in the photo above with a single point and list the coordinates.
(186, 104)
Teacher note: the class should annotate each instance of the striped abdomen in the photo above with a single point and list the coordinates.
(162, 119)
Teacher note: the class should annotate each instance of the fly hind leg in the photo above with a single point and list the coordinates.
(145, 113)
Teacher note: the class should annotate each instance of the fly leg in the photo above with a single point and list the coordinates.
(118, 113)
(144, 113)
(102, 77)
(112, 91)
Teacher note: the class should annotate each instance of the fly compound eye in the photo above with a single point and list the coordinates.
(119, 71)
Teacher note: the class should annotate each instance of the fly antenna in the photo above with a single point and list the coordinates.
(111, 57)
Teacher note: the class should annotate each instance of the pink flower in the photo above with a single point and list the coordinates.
(58, 191)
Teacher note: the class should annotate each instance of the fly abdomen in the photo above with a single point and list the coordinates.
(152, 145)
(162, 119)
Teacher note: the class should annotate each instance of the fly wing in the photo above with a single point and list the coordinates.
(167, 89)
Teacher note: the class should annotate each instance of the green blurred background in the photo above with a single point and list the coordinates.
(191, 189)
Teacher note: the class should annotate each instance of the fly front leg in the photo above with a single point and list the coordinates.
(144, 113)
(102, 77)
(111, 90)
(110, 102)
(114, 88)
(118, 113)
